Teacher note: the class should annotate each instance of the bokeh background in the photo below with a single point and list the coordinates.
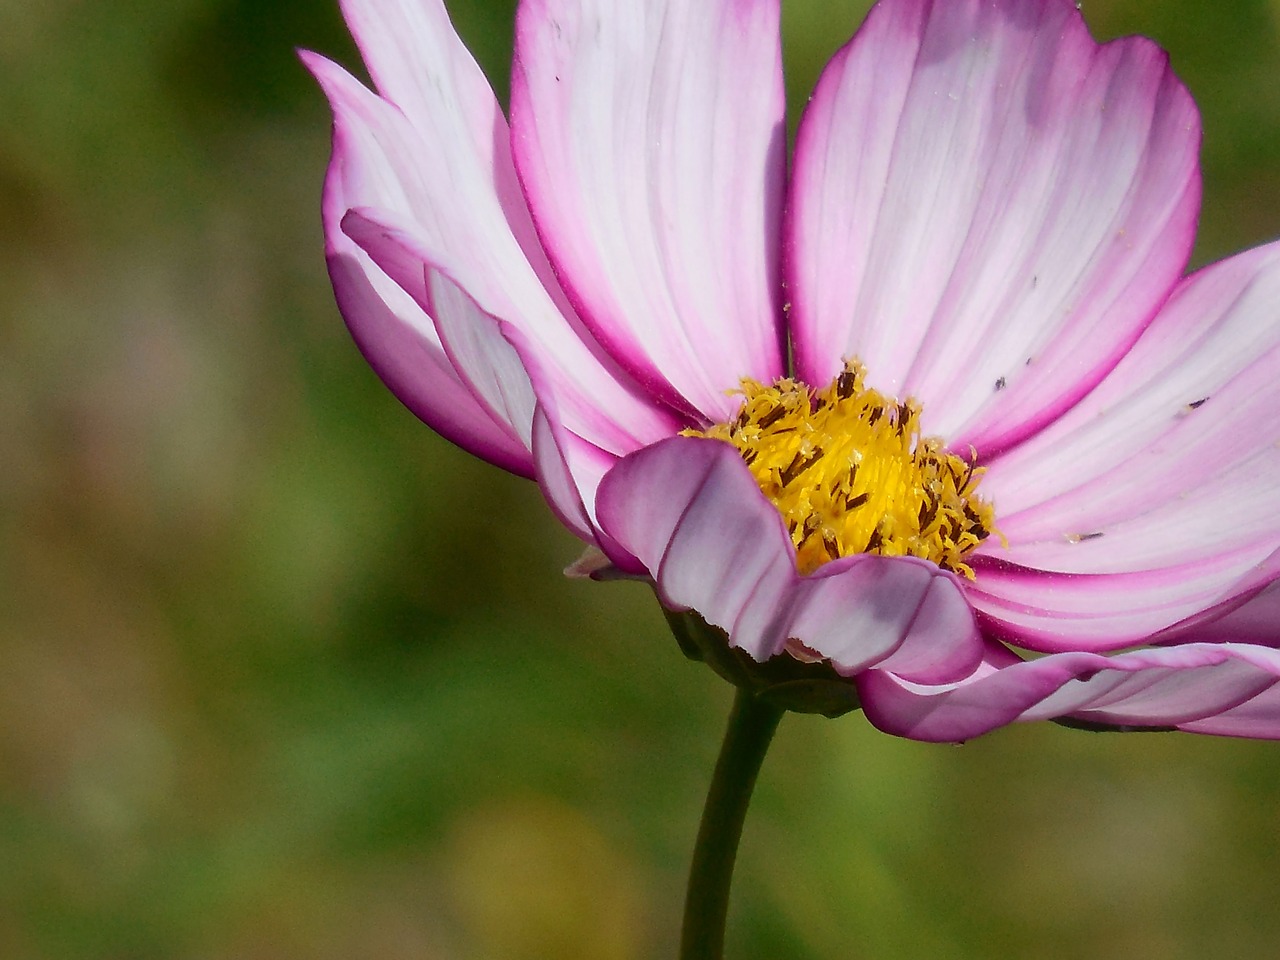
(283, 675)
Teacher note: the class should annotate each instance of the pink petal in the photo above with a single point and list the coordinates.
(418, 62)
(398, 341)
(987, 209)
(649, 139)
(1253, 718)
(570, 471)
(1160, 485)
(1208, 688)
(689, 511)
(1255, 620)
(1187, 421)
(470, 337)
(556, 477)
(392, 331)
(1056, 612)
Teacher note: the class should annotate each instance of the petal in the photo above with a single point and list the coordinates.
(1056, 612)
(1163, 480)
(514, 375)
(556, 478)
(1256, 620)
(987, 209)
(569, 472)
(391, 330)
(650, 142)
(471, 338)
(418, 62)
(440, 201)
(1254, 718)
(420, 65)
(1208, 688)
(400, 344)
(593, 404)
(689, 511)
(569, 468)
(1190, 416)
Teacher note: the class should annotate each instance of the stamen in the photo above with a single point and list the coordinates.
(850, 473)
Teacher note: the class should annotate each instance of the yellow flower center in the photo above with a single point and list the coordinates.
(849, 472)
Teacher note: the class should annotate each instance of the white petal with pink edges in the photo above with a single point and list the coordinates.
(1161, 485)
(569, 468)
(987, 208)
(556, 478)
(650, 142)
(1188, 422)
(688, 509)
(421, 67)
(442, 199)
(1054, 611)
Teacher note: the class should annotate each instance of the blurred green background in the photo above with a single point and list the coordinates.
(283, 675)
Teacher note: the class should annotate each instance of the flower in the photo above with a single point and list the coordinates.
(971, 403)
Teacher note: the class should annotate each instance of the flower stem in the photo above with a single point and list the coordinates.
(746, 740)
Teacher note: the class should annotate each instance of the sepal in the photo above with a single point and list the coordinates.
(782, 680)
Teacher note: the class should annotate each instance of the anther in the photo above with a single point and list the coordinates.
(799, 465)
(772, 417)
(846, 383)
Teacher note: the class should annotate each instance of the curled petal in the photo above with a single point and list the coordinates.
(987, 209)
(569, 468)
(371, 163)
(470, 336)
(1254, 718)
(399, 342)
(650, 142)
(689, 511)
(1207, 688)
(1054, 612)
(437, 187)
(559, 483)
(591, 401)
(1254, 620)
(513, 375)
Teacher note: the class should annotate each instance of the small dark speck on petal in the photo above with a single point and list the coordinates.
(1082, 537)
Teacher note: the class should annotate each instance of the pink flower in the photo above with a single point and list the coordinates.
(987, 210)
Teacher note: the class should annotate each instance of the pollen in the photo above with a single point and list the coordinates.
(849, 472)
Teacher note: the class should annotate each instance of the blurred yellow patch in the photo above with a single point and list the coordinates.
(533, 879)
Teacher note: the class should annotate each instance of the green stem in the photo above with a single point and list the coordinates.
(746, 740)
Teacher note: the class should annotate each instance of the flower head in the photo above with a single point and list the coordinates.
(940, 394)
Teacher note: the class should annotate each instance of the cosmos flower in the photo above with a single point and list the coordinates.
(938, 394)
